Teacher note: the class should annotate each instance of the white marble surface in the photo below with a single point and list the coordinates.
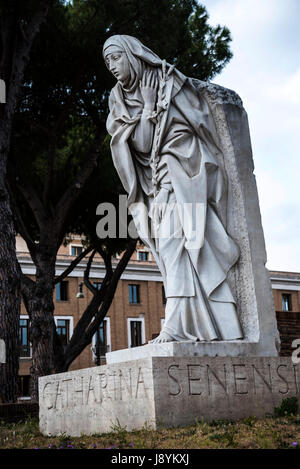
(233, 348)
(165, 148)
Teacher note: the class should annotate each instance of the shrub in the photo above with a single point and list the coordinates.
(288, 406)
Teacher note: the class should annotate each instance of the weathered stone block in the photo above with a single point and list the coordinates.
(249, 278)
(164, 392)
(189, 348)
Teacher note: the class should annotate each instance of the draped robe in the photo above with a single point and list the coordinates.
(194, 262)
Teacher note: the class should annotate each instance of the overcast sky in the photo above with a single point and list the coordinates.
(265, 72)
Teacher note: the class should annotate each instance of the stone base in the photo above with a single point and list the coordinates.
(164, 392)
(189, 348)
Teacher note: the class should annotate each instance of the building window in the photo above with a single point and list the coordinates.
(143, 256)
(64, 328)
(76, 250)
(163, 295)
(62, 291)
(97, 285)
(286, 302)
(63, 331)
(23, 338)
(134, 294)
(136, 332)
(101, 340)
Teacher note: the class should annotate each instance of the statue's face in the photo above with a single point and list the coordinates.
(117, 63)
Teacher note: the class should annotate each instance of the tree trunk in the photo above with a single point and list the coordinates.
(14, 55)
(47, 350)
(9, 298)
(41, 308)
(95, 311)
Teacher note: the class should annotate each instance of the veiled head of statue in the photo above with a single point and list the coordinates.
(118, 64)
(127, 58)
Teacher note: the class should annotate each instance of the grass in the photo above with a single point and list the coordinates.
(250, 433)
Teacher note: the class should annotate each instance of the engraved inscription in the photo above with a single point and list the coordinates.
(235, 379)
(140, 380)
(125, 384)
(58, 395)
(95, 388)
(211, 372)
(46, 395)
(192, 380)
(103, 384)
(173, 379)
(91, 390)
(78, 389)
(240, 375)
(67, 381)
(283, 378)
(194, 377)
(267, 381)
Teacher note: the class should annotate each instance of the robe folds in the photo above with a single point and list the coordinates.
(184, 224)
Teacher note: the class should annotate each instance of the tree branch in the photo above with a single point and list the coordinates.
(34, 203)
(27, 287)
(21, 225)
(107, 259)
(21, 56)
(49, 175)
(87, 274)
(93, 315)
(111, 289)
(72, 265)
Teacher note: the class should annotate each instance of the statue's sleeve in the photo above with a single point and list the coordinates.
(111, 122)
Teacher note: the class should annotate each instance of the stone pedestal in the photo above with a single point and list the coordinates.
(164, 392)
(178, 383)
(232, 348)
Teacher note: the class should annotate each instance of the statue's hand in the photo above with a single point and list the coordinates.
(148, 86)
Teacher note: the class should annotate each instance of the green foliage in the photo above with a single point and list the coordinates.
(206, 50)
(120, 435)
(63, 106)
(250, 421)
(268, 433)
(62, 111)
(288, 406)
(118, 428)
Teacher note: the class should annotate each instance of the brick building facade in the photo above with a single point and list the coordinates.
(286, 293)
(137, 311)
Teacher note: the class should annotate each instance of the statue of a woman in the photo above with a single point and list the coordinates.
(165, 149)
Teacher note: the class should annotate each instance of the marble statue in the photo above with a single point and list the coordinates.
(165, 149)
